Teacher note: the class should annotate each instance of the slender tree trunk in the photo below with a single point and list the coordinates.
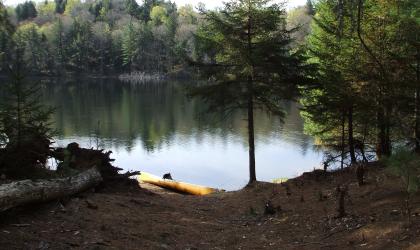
(383, 147)
(417, 119)
(61, 53)
(252, 174)
(417, 106)
(380, 141)
(350, 131)
(340, 17)
(19, 112)
(388, 146)
(102, 57)
(343, 138)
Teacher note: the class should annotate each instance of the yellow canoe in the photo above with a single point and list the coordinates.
(175, 185)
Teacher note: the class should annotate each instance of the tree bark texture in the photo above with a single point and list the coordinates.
(27, 191)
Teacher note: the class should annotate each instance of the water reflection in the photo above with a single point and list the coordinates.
(155, 127)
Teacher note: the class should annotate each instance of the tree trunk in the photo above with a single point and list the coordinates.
(383, 147)
(341, 197)
(417, 120)
(251, 143)
(351, 141)
(417, 107)
(252, 174)
(27, 191)
(343, 138)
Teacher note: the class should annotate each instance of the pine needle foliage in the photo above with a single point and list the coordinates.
(406, 165)
(24, 124)
(251, 63)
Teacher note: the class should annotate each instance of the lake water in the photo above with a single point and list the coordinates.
(154, 127)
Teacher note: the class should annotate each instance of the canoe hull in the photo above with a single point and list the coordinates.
(175, 185)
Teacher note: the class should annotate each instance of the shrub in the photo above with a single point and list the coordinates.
(406, 165)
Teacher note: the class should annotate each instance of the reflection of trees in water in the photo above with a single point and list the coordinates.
(155, 113)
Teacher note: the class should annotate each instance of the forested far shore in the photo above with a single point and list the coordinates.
(106, 37)
(102, 37)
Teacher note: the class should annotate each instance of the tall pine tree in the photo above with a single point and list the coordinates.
(254, 68)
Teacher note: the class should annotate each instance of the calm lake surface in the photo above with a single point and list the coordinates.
(154, 127)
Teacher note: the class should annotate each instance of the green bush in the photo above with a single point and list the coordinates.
(406, 165)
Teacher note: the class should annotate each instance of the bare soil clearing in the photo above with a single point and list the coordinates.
(123, 216)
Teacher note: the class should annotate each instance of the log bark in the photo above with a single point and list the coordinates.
(27, 191)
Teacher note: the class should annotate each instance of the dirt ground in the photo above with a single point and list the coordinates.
(125, 216)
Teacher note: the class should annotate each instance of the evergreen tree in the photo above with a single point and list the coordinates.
(368, 85)
(6, 31)
(147, 7)
(80, 45)
(129, 46)
(254, 68)
(132, 8)
(24, 122)
(29, 40)
(102, 34)
(58, 45)
(60, 6)
(25, 11)
(330, 109)
(388, 49)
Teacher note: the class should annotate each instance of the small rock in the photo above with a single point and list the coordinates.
(43, 245)
(164, 246)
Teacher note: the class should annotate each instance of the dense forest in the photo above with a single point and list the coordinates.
(106, 36)
(367, 96)
(100, 36)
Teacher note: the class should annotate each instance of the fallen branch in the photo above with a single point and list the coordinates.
(27, 191)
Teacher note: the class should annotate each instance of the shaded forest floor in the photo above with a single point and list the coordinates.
(124, 216)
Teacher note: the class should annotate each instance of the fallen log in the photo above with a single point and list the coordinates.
(27, 191)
